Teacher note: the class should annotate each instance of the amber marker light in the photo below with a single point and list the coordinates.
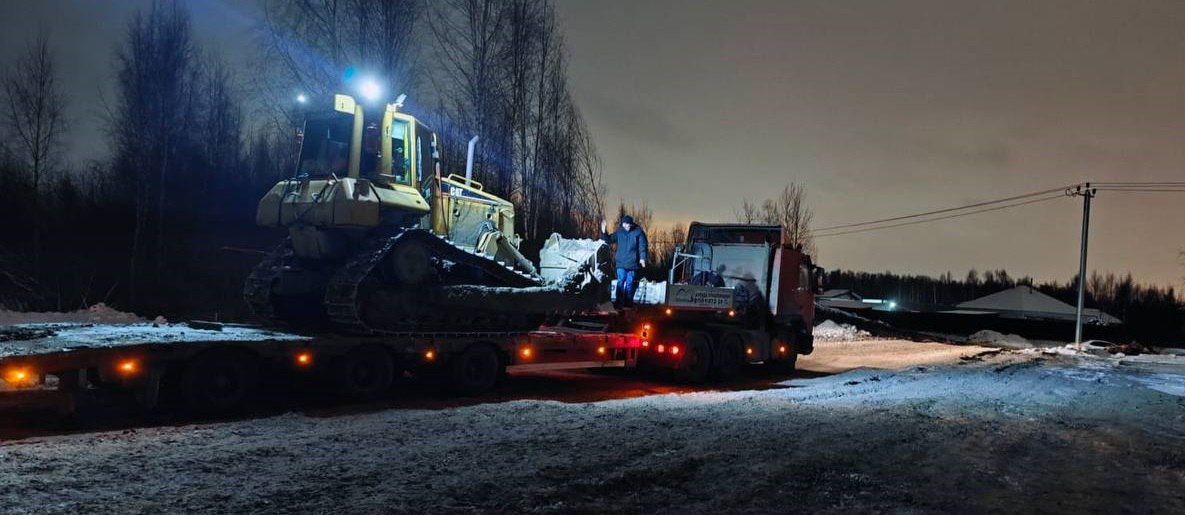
(525, 352)
(749, 350)
(304, 359)
(429, 355)
(670, 311)
(600, 350)
(19, 377)
(128, 367)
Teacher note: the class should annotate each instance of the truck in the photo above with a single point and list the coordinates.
(735, 294)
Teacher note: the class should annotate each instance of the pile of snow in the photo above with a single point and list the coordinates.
(999, 339)
(98, 313)
(831, 331)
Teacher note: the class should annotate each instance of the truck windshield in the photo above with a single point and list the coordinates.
(325, 147)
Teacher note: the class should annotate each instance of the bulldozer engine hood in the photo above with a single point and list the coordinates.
(335, 202)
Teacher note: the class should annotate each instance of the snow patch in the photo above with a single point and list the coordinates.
(33, 339)
(831, 331)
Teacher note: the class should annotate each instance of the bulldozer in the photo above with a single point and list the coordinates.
(381, 241)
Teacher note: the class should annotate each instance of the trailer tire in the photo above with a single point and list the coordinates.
(475, 370)
(730, 356)
(366, 372)
(697, 358)
(220, 380)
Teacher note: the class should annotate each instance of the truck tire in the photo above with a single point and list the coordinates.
(788, 338)
(366, 372)
(220, 380)
(697, 358)
(730, 356)
(474, 371)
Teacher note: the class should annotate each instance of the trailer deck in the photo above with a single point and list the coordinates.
(204, 356)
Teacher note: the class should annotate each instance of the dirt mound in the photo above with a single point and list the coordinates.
(98, 313)
(1011, 341)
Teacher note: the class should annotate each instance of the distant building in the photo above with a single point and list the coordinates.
(852, 301)
(1026, 303)
(840, 294)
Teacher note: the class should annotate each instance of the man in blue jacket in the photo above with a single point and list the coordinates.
(631, 257)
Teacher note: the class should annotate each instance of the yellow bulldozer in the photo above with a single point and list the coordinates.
(380, 240)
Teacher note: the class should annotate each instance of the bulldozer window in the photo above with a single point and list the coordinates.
(325, 147)
(400, 152)
(425, 154)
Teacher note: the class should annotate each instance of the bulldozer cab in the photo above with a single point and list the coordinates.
(325, 145)
(386, 147)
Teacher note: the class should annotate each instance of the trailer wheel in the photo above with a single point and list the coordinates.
(697, 359)
(475, 370)
(220, 380)
(366, 373)
(730, 356)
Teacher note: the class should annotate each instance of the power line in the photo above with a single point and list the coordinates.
(956, 215)
(998, 204)
(1143, 190)
(947, 210)
(1137, 183)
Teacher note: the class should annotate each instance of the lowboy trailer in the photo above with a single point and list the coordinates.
(220, 367)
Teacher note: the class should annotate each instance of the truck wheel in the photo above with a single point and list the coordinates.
(789, 339)
(697, 358)
(365, 373)
(475, 370)
(730, 356)
(220, 380)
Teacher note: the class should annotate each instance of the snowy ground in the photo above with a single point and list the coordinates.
(865, 426)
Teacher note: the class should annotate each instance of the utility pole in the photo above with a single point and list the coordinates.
(1086, 193)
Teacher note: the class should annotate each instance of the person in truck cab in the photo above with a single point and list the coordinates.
(631, 257)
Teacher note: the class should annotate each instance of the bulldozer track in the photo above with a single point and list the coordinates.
(344, 307)
(341, 293)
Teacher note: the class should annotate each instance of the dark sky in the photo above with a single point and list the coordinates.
(880, 108)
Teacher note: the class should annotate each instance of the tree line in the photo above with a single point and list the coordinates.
(166, 223)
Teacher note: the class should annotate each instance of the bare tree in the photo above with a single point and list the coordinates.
(788, 209)
(34, 118)
(308, 45)
(219, 125)
(149, 124)
(747, 213)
